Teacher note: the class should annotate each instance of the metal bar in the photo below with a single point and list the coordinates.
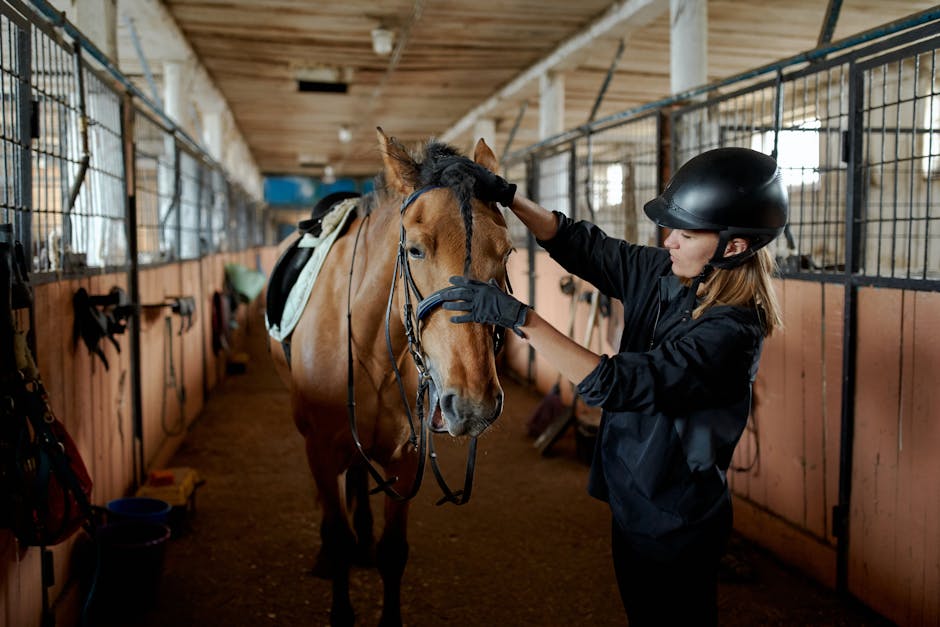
(829, 23)
(83, 132)
(148, 74)
(853, 209)
(532, 183)
(133, 286)
(513, 131)
(573, 182)
(606, 83)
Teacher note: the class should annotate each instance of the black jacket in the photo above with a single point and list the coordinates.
(676, 396)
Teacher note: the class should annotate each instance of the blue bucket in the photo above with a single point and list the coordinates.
(139, 508)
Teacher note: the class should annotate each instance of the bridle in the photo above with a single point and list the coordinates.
(420, 437)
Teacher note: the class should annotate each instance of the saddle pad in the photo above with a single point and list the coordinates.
(309, 251)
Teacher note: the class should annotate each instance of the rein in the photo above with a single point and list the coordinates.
(421, 437)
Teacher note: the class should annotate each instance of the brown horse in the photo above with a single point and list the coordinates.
(441, 231)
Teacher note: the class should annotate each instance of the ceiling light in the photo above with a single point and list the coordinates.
(329, 176)
(382, 39)
(345, 135)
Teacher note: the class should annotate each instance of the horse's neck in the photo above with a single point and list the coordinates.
(380, 251)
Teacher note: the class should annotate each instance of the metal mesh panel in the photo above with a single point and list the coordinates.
(98, 220)
(14, 127)
(214, 219)
(78, 194)
(810, 144)
(56, 151)
(154, 156)
(899, 228)
(238, 217)
(617, 174)
(190, 196)
(553, 184)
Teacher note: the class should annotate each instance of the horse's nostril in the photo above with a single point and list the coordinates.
(448, 404)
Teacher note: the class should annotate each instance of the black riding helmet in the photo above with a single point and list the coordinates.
(737, 192)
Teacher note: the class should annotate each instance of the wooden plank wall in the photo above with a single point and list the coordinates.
(95, 404)
(788, 459)
(894, 555)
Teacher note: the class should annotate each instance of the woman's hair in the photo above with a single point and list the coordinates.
(748, 285)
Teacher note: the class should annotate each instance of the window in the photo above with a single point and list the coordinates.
(797, 151)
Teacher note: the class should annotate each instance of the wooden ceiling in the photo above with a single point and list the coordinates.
(453, 55)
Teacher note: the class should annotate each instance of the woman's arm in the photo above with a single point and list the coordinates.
(572, 360)
(540, 221)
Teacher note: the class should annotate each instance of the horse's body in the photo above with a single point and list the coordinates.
(459, 358)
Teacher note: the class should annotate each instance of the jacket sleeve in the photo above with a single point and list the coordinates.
(709, 366)
(612, 265)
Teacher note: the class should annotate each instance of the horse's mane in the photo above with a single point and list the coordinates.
(427, 169)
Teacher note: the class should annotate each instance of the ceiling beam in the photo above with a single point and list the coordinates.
(630, 13)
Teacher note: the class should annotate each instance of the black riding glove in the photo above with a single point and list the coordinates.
(485, 303)
(487, 186)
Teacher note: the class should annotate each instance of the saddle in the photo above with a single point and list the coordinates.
(295, 258)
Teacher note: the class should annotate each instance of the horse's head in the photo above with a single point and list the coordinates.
(446, 232)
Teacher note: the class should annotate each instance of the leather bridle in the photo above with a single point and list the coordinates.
(420, 437)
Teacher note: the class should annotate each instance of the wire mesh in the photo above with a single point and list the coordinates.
(898, 226)
(14, 129)
(155, 167)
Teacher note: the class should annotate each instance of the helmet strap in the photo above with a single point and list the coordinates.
(719, 260)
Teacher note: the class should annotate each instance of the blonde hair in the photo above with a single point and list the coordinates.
(748, 285)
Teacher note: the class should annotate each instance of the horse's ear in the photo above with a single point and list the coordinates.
(401, 174)
(485, 157)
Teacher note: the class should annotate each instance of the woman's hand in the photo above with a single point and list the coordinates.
(485, 303)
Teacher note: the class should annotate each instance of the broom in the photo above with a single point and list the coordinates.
(551, 407)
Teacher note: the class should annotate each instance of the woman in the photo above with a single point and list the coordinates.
(677, 394)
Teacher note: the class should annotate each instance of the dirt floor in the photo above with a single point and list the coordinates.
(530, 548)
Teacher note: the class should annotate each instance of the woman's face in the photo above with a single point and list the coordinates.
(690, 251)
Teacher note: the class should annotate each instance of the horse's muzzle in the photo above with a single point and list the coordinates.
(467, 416)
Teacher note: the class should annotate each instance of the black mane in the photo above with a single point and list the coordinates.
(437, 156)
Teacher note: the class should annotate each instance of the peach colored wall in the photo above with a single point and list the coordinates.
(894, 556)
(795, 428)
(96, 407)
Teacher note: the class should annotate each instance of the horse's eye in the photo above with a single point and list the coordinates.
(415, 253)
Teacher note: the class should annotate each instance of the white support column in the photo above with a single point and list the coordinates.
(485, 128)
(97, 19)
(173, 90)
(212, 133)
(551, 104)
(553, 171)
(688, 44)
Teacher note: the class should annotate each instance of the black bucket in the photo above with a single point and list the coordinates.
(132, 554)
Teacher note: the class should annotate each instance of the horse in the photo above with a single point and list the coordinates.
(361, 350)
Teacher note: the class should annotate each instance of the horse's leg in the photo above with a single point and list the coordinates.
(391, 555)
(337, 541)
(392, 550)
(357, 501)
